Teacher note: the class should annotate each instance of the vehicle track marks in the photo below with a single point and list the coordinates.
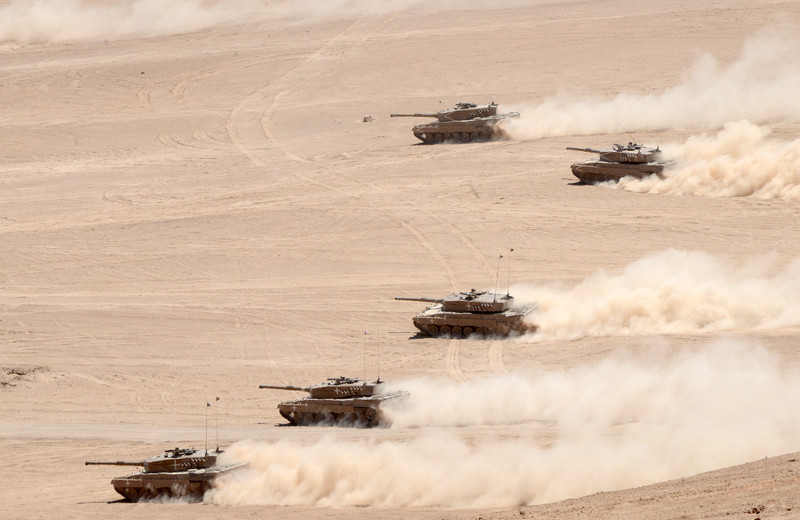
(452, 360)
(496, 357)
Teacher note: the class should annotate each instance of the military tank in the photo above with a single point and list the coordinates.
(631, 160)
(474, 312)
(178, 472)
(339, 401)
(463, 123)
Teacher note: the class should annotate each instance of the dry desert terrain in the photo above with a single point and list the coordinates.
(192, 204)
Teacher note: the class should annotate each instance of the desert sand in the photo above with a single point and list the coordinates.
(193, 204)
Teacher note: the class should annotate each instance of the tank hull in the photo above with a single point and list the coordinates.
(189, 484)
(362, 411)
(594, 172)
(435, 321)
(479, 128)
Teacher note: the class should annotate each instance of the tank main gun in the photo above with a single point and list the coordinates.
(413, 115)
(426, 300)
(286, 387)
(589, 150)
(114, 463)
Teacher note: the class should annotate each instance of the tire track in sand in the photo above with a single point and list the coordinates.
(452, 361)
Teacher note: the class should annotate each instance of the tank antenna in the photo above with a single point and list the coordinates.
(208, 405)
(508, 285)
(364, 356)
(497, 279)
(216, 420)
(629, 134)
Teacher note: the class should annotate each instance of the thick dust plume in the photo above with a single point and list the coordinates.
(670, 292)
(38, 21)
(759, 86)
(629, 420)
(740, 160)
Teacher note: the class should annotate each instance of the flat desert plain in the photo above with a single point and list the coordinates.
(198, 198)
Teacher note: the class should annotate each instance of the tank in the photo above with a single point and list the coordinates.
(178, 472)
(339, 401)
(475, 312)
(631, 160)
(463, 123)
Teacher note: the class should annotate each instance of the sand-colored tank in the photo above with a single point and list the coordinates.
(339, 401)
(631, 160)
(175, 473)
(463, 123)
(475, 312)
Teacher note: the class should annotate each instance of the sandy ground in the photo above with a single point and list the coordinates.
(188, 216)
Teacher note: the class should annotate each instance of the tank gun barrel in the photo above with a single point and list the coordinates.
(286, 387)
(590, 150)
(413, 115)
(427, 300)
(114, 463)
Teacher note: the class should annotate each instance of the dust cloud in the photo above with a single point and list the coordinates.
(628, 420)
(314, 11)
(40, 21)
(740, 160)
(670, 292)
(757, 86)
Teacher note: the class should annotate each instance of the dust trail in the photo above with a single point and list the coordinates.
(626, 421)
(36, 21)
(669, 292)
(313, 10)
(757, 86)
(740, 160)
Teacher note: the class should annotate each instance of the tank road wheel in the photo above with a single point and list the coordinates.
(369, 416)
(433, 330)
(465, 137)
(437, 138)
(483, 331)
(468, 331)
(444, 330)
(447, 137)
(456, 331)
(131, 494)
(429, 138)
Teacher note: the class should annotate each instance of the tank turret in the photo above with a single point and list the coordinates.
(631, 160)
(475, 312)
(464, 122)
(341, 400)
(461, 112)
(176, 472)
(337, 388)
(472, 301)
(630, 153)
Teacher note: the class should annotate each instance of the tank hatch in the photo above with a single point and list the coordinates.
(477, 301)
